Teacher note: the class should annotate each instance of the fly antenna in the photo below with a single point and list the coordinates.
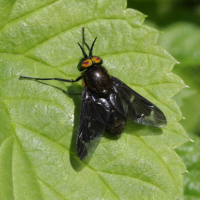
(83, 33)
(90, 54)
(85, 55)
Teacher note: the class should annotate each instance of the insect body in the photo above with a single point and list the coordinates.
(106, 104)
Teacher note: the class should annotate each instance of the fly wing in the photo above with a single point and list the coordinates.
(135, 107)
(95, 113)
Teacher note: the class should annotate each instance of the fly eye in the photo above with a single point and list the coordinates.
(96, 59)
(86, 63)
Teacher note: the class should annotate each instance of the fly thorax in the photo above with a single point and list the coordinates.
(98, 80)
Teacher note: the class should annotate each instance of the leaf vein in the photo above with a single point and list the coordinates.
(133, 178)
(15, 19)
(160, 160)
(30, 164)
(107, 186)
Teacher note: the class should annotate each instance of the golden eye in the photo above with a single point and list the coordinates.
(96, 59)
(86, 63)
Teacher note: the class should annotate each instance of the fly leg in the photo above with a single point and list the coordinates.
(71, 93)
(57, 79)
(116, 123)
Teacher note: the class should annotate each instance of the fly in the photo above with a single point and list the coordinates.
(106, 104)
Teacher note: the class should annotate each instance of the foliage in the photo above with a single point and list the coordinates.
(180, 21)
(38, 122)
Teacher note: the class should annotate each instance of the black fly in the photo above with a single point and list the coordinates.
(106, 104)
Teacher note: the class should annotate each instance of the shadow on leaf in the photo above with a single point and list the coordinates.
(141, 130)
(76, 163)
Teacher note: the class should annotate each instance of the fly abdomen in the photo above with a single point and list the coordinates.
(116, 123)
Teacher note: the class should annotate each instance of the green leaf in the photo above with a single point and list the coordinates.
(39, 123)
(188, 99)
(190, 154)
(182, 40)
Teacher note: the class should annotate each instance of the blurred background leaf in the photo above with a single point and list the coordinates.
(180, 22)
